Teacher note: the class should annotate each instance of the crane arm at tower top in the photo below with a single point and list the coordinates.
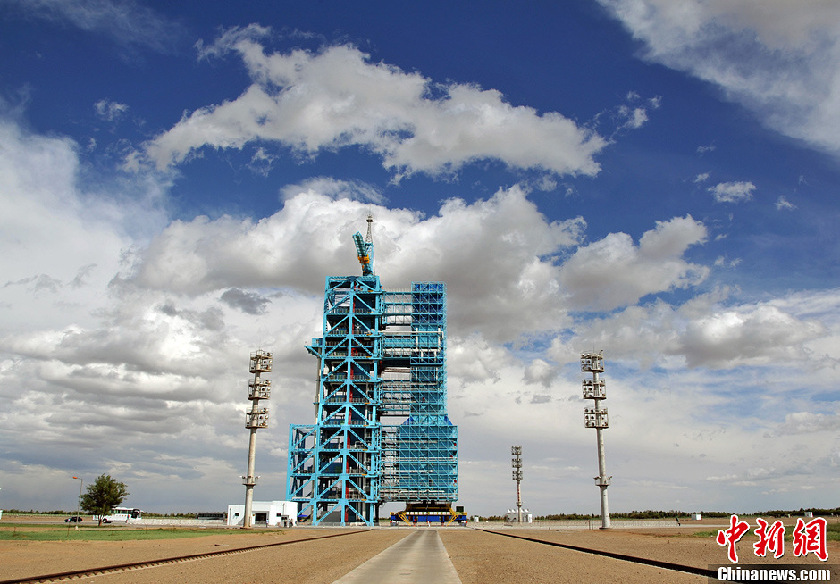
(364, 251)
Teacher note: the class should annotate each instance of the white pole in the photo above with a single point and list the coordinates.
(79, 506)
(603, 481)
(249, 480)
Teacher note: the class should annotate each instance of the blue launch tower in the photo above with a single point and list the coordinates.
(382, 431)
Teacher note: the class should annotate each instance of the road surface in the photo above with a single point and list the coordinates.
(420, 558)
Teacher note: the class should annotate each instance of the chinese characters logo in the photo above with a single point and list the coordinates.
(807, 538)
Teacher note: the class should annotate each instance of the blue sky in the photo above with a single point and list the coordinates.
(654, 179)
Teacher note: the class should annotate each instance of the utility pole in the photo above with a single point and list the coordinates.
(79, 504)
(258, 389)
(598, 418)
(516, 463)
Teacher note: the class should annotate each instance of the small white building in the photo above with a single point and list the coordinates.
(511, 516)
(268, 513)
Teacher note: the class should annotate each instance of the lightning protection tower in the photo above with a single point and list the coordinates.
(516, 463)
(258, 389)
(598, 418)
(382, 432)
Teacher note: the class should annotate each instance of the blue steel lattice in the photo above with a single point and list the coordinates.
(382, 357)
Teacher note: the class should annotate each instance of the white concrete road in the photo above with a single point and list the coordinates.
(418, 558)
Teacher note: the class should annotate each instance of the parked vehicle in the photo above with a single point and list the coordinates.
(122, 515)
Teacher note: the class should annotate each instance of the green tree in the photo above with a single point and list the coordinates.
(102, 495)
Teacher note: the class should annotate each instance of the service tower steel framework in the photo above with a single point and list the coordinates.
(382, 431)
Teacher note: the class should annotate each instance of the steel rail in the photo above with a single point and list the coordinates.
(624, 557)
(115, 568)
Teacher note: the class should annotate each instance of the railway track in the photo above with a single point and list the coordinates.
(116, 568)
(627, 558)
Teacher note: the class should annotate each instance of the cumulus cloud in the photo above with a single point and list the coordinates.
(732, 192)
(539, 371)
(126, 351)
(335, 98)
(780, 59)
(709, 331)
(465, 245)
(749, 335)
(87, 366)
(60, 244)
(615, 272)
(808, 423)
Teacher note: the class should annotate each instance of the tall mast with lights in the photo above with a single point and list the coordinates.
(598, 418)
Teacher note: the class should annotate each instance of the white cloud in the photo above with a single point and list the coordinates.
(465, 245)
(759, 334)
(614, 272)
(809, 423)
(124, 21)
(724, 262)
(336, 98)
(262, 161)
(125, 350)
(539, 371)
(709, 332)
(110, 110)
(335, 189)
(61, 246)
(636, 117)
(783, 204)
(780, 59)
(732, 192)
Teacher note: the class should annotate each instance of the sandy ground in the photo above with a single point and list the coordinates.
(482, 558)
(478, 556)
(305, 562)
(675, 546)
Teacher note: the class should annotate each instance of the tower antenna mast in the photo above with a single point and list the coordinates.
(364, 247)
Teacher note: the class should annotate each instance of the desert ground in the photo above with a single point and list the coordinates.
(479, 556)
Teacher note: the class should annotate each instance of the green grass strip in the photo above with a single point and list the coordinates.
(52, 533)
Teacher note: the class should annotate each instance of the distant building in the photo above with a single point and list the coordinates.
(268, 513)
(512, 517)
